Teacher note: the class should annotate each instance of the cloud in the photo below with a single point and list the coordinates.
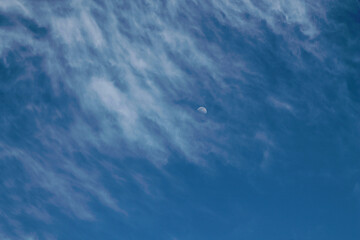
(114, 81)
(124, 78)
(280, 104)
(15, 5)
(274, 13)
(142, 183)
(61, 186)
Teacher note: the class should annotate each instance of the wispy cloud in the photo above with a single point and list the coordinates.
(280, 104)
(61, 182)
(115, 80)
(274, 13)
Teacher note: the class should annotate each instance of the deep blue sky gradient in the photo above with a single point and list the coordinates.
(100, 137)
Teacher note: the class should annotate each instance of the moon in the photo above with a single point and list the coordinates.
(202, 110)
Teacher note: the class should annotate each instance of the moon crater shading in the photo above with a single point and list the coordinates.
(202, 110)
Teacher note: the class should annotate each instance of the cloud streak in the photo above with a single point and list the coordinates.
(118, 80)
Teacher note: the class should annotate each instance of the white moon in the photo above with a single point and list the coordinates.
(202, 110)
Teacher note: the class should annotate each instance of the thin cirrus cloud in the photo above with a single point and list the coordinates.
(131, 92)
(280, 104)
(123, 81)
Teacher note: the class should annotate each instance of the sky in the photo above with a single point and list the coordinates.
(100, 136)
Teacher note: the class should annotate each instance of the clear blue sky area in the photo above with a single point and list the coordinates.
(101, 135)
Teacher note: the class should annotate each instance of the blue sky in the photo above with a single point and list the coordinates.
(100, 137)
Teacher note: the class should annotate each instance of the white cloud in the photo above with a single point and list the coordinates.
(14, 5)
(128, 72)
(62, 186)
(135, 82)
(280, 104)
(274, 12)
